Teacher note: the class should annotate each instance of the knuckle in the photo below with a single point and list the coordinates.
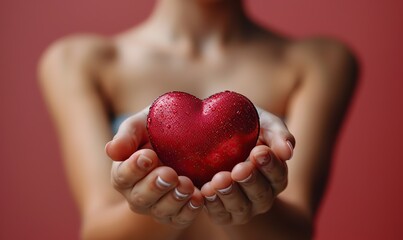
(162, 220)
(279, 187)
(138, 201)
(242, 209)
(119, 179)
(182, 221)
(221, 218)
(136, 209)
(160, 213)
(261, 196)
(278, 180)
(242, 221)
(280, 176)
(263, 208)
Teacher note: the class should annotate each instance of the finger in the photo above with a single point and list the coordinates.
(215, 207)
(275, 134)
(232, 197)
(254, 185)
(190, 210)
(126, 174)
(131, 134)
(151, 188)
(171, 203)
(272, 168)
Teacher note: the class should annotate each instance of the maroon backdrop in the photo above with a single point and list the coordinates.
(363, 200)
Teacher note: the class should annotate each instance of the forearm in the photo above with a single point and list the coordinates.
(283, 221)
(118, 222)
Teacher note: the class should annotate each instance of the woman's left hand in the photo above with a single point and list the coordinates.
(250, 189)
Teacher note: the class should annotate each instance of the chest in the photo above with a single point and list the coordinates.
(136, 80)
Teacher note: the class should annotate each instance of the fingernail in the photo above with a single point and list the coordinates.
(247, 179)
(291, 148)
(193, 207)
(144, 163)
(161, 183)
(263, 158)
(226, 190)
(179, 195)
(211, 198)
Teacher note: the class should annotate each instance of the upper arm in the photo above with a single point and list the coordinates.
(67, 79)
(315, 114)
(68, 74)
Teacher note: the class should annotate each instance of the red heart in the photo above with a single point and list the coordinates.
(199, 138)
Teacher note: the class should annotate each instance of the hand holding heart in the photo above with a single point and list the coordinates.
(232, 196)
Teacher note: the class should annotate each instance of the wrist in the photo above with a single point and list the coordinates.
(282, 221)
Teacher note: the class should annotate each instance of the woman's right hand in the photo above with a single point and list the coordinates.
(149, 187)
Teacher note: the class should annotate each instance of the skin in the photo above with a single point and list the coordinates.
(200, 47)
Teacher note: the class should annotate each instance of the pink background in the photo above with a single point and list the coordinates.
(364, 196)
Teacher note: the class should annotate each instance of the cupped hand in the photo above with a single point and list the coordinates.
(251, 187)
(149, 187)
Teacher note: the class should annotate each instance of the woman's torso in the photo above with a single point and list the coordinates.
(139, 68)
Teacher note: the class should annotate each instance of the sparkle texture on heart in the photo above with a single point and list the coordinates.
(199, 138)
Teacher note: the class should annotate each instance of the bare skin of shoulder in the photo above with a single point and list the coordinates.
(88, 79)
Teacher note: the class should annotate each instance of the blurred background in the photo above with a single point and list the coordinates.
(364, 197)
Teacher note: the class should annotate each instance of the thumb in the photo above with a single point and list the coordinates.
(131, 134)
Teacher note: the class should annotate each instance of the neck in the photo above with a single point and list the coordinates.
(199, 20)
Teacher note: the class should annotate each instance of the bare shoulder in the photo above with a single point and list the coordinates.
(81, 52)
(327, 56)
(319, 49)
